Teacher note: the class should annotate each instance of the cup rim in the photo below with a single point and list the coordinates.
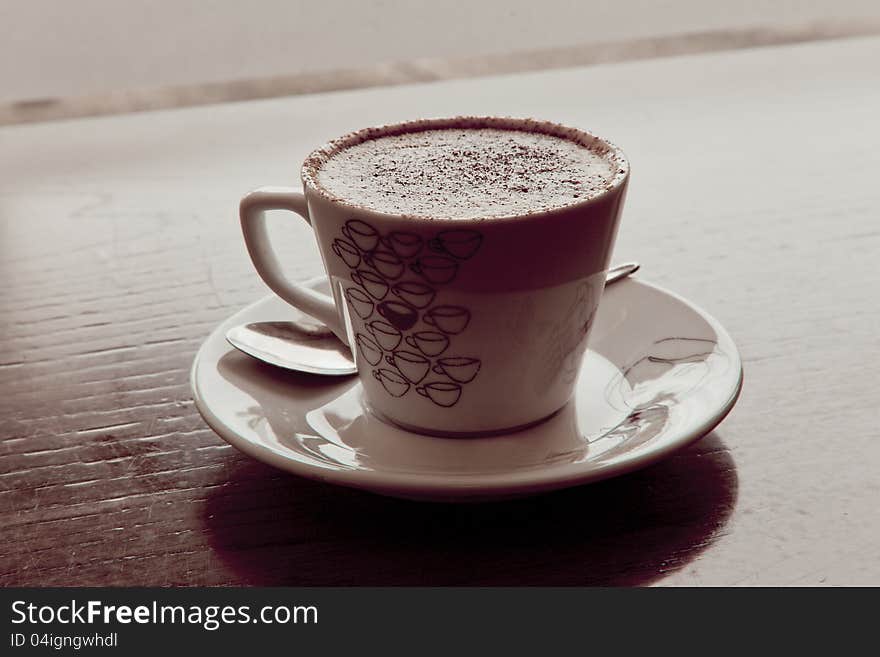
(316, 159)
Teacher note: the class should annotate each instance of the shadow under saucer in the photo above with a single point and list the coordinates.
(274, 529)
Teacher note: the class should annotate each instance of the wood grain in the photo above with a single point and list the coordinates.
(754, 194)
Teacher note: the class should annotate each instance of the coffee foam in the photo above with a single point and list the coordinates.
(465, 168)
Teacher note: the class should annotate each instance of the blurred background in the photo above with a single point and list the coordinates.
(85, 57)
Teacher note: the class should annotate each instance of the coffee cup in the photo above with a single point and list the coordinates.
(461, 369)
(460, 244)
(401, 315)
(404, 244)
(387, 263)
(392, 382)
(361, 233)
(347, 251)
(360, 302)
(448, 319)
(442, 393)
(375, 285)
(430, 343)
(416, 294)
(386, 335)
(369, 349)
(436, 269)
(451, 317)
(414, 367)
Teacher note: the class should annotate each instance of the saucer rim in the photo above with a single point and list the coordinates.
(489, 485)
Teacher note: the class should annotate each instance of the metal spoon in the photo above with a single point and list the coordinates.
(308, 346)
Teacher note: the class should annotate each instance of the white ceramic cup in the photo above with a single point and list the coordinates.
(458, 327)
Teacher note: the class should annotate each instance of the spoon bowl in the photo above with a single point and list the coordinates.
(294, 346)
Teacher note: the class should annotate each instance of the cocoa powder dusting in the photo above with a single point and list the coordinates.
(466, 173)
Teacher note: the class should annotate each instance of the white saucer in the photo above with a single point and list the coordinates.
(660, 373)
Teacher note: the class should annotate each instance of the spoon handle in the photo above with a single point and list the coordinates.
(621, 271)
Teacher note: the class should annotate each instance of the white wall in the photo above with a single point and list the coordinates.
(71, 47)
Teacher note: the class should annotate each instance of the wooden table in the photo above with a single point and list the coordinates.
(755, 193)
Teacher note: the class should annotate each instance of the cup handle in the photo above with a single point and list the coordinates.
(252, 211)
(428, 319)
(421, 390)
(411, 341)
(439, 370)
